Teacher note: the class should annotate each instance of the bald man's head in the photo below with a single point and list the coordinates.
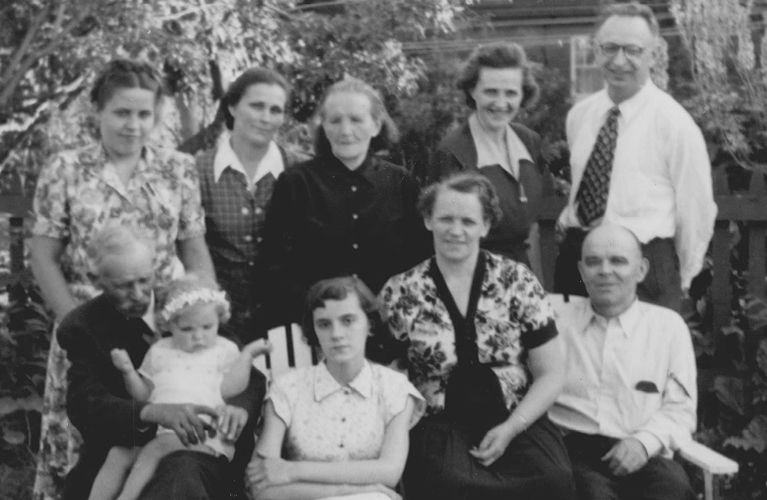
(611, 267)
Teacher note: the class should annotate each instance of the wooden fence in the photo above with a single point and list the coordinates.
(749, 208)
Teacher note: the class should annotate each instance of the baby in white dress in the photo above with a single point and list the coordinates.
(193, 366)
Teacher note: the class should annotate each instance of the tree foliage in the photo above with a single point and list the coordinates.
(50, 51)
(726, 42)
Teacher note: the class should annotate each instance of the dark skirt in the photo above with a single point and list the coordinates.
(535, 465)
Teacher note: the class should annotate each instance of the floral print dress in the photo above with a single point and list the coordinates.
(78, 194)
(512, 315)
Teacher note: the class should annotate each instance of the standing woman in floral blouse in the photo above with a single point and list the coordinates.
(237, 178)
(119, 180)
(482, 348)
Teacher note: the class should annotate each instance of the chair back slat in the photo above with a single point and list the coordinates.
(289, 350)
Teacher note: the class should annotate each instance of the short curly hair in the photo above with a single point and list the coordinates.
(386, 138)
(499, 55)
(339, 288)
(240, 85)
(464, 182)
(189, 283)
(126, 73)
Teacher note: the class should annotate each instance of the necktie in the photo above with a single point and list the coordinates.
(593, 191)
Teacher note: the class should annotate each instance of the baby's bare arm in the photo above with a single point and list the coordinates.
(138, 387)
(237, 377)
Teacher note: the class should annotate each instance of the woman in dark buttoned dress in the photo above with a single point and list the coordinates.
(347, 211)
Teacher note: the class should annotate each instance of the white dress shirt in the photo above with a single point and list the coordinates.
(630, 376)
(226, 157)
(660, 185)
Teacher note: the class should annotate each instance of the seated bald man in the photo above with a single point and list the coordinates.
(630, 394)
(99, 405)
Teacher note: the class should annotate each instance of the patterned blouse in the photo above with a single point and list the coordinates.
(329, 422)
(79, 193)
(512, 316)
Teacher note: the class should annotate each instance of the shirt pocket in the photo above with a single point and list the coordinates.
(639, 405)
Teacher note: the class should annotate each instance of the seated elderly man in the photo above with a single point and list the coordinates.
(630, 392)
(98, 403)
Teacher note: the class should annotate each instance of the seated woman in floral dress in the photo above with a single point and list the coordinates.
(343, 424)
(482, 348)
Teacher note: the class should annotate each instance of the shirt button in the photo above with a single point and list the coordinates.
(355, 246)
(341, 445)
(245, 211)
(248, 238)
(355, 216)
(343, 419)
(354, 189)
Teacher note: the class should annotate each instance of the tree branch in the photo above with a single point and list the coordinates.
(11, 79)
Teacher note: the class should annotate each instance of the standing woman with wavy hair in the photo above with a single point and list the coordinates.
(498, 82)
(119, 179)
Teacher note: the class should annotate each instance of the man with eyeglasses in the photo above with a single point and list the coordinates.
(638, 160)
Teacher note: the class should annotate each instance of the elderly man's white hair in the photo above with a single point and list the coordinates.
(116, 241)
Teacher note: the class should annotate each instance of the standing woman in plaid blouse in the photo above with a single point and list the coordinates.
(236, 179)
(118, 180)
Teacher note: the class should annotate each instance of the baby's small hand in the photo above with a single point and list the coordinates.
(121, 360)
(258, 348)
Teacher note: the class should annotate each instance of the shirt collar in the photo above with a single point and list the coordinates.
(514, 145)
(631, 106)
(226, 157)
(366, 171)
(627, 320)
(148, 317)
(325, 384)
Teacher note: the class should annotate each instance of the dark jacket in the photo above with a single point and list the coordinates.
(457, 152)
(325, 220)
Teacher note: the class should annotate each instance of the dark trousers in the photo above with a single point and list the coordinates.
(661, 286)
(190, 475)
(659, 479)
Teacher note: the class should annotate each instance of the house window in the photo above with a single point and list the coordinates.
(584, 71)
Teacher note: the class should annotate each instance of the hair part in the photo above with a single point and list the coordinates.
(499, 55)
(386, 138)
(463, 182)
(247, 79)
(116, 241)
(187, 284)
(126, 74)
(630, 9)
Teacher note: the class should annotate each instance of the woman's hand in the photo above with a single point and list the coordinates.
(262, 473)
(494, 444)
(230, 421)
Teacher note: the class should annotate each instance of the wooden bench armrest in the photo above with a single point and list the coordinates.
(707, 459)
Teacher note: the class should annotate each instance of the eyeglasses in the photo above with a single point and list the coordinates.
(611, 50)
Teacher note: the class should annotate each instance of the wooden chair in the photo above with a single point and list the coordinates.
(712, 464)
(290, 351)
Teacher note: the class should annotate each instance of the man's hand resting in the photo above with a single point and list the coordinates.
(626, 457)
(184, 419)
